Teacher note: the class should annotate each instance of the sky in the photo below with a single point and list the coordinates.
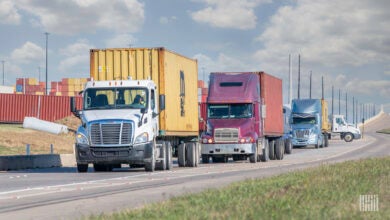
(347, 43)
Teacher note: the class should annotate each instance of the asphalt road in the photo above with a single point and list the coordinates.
(62, 193)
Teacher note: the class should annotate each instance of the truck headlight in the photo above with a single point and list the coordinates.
(142, 138)
(81, 139)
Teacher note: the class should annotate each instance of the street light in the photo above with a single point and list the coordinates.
(47, 36)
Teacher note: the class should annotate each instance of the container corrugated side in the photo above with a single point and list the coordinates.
(325, 126)
(169, 70)
(271, 94)
(14, 107)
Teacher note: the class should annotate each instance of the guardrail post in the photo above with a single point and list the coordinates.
(27, 149)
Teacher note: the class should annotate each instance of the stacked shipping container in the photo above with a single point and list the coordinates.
(29, 86)
(202, 97)
(68, 86)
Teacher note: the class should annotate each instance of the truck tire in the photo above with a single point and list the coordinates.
(161, 163)
(265, 154)
(82, 168)
(318, 144)
(181, 155)
(326, 141)
(205, 158)
(348, 137)
(272, 150)
(150, 165)
(191, 154)
(197, 154)
(279, 149)
(288, 146)
(168, 155)
(253, 157)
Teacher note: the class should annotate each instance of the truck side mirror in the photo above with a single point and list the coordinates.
(162, 102)
(363, 121)
(73, 107)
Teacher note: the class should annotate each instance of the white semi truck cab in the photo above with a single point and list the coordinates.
(347, 131)
(119, 125)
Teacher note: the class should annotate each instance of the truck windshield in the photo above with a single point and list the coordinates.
(229, 111)
(115, 98)
(306, 120)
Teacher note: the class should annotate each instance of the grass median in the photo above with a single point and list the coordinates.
(326, 192)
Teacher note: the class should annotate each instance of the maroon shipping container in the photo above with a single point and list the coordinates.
(271, 94)
(202, 116)
(15, 107)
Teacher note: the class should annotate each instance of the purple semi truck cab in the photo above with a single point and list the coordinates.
(244, 118)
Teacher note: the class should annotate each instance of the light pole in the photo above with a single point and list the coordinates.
(3, 61)
(47, 39)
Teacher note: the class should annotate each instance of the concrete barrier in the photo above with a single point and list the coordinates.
(19, 162)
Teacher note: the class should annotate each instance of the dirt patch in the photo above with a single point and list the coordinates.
(14, 138)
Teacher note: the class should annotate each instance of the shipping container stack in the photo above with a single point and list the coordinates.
(68, 86)
(29, 86)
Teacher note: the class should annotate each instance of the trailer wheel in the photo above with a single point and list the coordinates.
(348, 137)
(272, 150)
(326, 140)
(279, 149)
(181, 155)
(197, 154)
(168, 155)
(265, 155)
(162, 163)
(205, 158)
(191, 155)
(82, 168)
(288, 146)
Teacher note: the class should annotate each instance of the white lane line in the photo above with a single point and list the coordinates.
(93, 184)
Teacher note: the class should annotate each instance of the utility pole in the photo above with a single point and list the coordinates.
(299, 76)
(332, 99)
(290, 79)
(339, 102)
(346, 106)
(3, 61)
(310, 84)
(39, 74)
(47, 41)
(353, 109)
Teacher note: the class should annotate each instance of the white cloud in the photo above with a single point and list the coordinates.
(229, 14)
(329, 33)
(8, 13)
(222, 63)
(74, 17)
(121, 41)
(29, 52)
(167, 20)
(76, 54)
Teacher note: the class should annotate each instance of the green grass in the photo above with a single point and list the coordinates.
(327, 192)
(384, 131)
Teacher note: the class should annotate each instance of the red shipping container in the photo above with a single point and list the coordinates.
(205, 91)
(14, 107)
(200, 84)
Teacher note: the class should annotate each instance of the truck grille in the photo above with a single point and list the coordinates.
(111, 134)
(226, 135)
(301, 133)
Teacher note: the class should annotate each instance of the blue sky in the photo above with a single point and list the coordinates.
(346, 42)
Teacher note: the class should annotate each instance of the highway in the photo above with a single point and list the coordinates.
(62, 193)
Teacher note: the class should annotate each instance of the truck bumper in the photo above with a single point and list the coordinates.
(228, 149)
(136, 154)
(303, 142)
(357, 136)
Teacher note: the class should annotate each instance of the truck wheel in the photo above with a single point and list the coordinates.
(348, 137)
(265, 155)
(82, 168)
(168, 155)
(318, 144)
(205, 158)
(279, 149)
(253, 157)
(288, 146)
(191, 154)
(150, 166)
(181, 155)
(272, 150)
(326, 141)
(197, 154)
(161, 164)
